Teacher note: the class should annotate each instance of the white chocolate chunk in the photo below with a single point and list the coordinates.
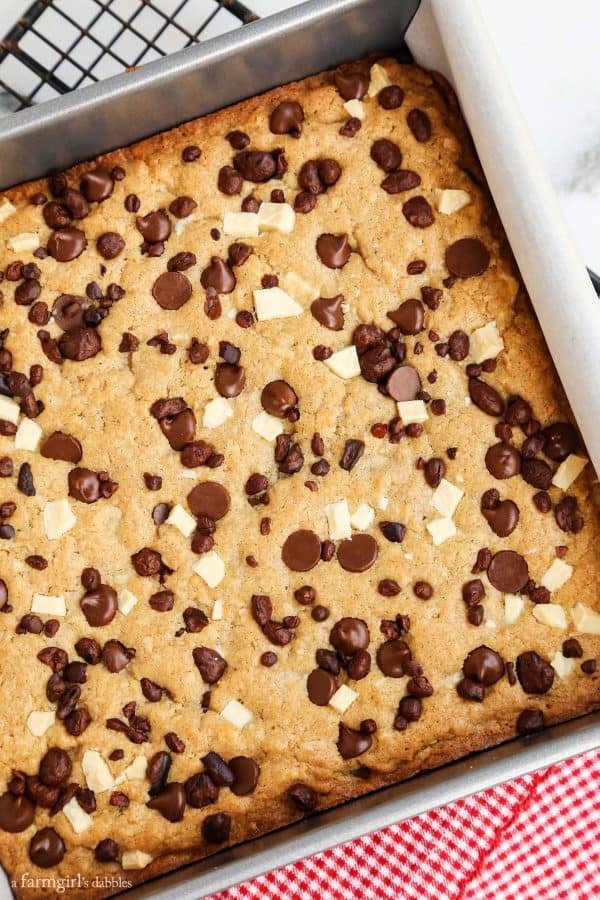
(557, 575)
(363, 517)
(440, 530)
(446, 498)
(48, 605)
(98, 776)
(9, 410)
(274, 303)
(355, 108)
(135, 771)
(39, 721)
(551, 614)
(217, 611)
(343, 699)
(236, 714)
(338, 520)
(216, 412)
(449, 200)
(6, 209)
(379, 80)
(58, 518)
(586, 619)
(26, 242)
(344, 363)
(486, 343)
(562, 665)
(276, 217)
(569, 469)
(126, 601)
(267, 426)
(382, 502)
(77, 817)
(179, 227)
(181, 519)
(211, 568)
(135, 859)
(28, 435)
(411, 411)
(513, 607)
(240, 224)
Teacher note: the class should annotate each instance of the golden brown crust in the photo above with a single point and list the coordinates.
(104, 401)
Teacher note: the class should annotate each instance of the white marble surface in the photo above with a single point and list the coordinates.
(549, 50)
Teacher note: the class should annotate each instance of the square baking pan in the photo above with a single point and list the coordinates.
(304, 40)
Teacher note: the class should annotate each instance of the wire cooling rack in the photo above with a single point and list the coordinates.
(60, 45)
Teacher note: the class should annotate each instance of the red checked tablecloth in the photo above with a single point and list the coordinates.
(536, 838)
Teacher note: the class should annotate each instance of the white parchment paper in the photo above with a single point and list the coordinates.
(450, 36)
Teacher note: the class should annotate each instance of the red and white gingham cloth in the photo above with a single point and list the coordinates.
(536, 838)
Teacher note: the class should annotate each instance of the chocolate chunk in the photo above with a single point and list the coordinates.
(302, 796)
(375, 364)
(404, 383)
(110, 244)
(484, 666)
(61, 446)
(209, 663)
(529, 721)
(420, 124)
(566, 513)
(409, 317)
(502, 516)
(238, 139)
(229, 181)
(400, 180)
(393, 531)
(386, 154)
(68, 312)
(392, 657)
(209, 498)
(349, 635)
(360, 665)
(328, 312)
(99, 606)
(358, 553)
(258, 165)
(179, 429)
(287, 118)
(191, 153)
(535, 675)
(16, 812)
(434, 471)
(56, 215)
(278, 398)
(84, 485)
(162, 601)
(351, 743)
(216, 828)
(172, 290)
(508, 571)
(390, 97)
(353, 450)
(96, 185)
(572, 649)
(333, 250)
(467, 257)
(246, 772)
(418, 212)
(116, 656)
(485, 397)
(46, 848)
(55, 767)
(155, 227)
(470, 690)
(218, 769)
(170, 803)
(25, 482)
(67, 244)
(201, 790)
(182, 207)
(218, 275)
(321, 686)
(230, 380)
(537, 473)
(80, 344)
(352, 82)
(301, 550)
(503, 461)
(560, 440)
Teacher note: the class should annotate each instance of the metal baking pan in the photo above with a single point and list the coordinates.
(123, 109)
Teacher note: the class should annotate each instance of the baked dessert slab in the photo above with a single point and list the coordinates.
(302, 496)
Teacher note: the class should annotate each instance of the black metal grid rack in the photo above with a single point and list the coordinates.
(60, 45)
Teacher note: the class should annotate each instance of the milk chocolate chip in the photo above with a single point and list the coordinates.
(333, 250)
(467, 257)
(172, 290)
(328, 312)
